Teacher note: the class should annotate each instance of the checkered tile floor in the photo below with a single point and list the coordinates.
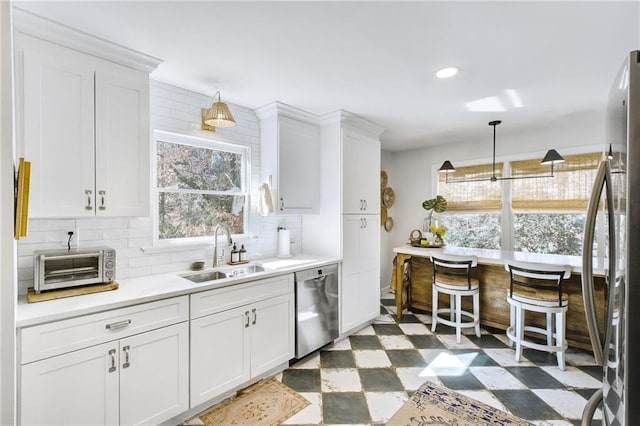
(365, 378)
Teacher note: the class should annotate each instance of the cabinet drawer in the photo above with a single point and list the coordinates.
(209, 302)
(46, 340)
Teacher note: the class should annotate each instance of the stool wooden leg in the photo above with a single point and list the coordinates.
(476, 312)
(519, 330)
(560, 320)
(458, 316)
(434, 308)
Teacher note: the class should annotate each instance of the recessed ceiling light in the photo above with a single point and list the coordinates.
(447, 72)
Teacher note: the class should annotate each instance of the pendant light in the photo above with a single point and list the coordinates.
(552, 157)
(217, 115)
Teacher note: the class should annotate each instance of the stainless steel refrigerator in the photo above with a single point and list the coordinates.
(615, 331)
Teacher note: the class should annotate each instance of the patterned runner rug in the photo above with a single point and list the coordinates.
(438, 406)
(267, 403)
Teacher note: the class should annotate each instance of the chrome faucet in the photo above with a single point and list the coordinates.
(215, 241)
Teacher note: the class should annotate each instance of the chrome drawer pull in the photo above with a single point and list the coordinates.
(102, 194)
(88, 193)
(125, 349)
(117, 325)
(246, 315)
(255, 316)
(112, 353)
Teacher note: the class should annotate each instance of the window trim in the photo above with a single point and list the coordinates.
(200, 142)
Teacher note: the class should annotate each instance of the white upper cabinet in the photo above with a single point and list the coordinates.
(82, 121)
(289, 155)
(361, 172)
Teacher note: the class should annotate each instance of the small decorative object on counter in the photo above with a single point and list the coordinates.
(242, 254)
(235, 254)
(197, 266)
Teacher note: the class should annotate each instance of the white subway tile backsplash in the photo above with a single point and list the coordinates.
(140, 222)
(102, 223)
(49, 224)
(150, 260)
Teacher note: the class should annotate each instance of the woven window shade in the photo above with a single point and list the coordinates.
(568, 190)
(482, 195)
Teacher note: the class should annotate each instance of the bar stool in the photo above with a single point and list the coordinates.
(452, 276)
(537, 287)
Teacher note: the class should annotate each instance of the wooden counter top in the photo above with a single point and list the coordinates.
(494, 284)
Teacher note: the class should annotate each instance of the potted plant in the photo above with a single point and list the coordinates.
(438, 204)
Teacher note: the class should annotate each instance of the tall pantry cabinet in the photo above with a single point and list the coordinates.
(349, 225)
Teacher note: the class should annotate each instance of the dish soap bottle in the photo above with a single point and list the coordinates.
(235, 254)
(243, 254)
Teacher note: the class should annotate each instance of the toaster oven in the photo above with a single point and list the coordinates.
(55, 269)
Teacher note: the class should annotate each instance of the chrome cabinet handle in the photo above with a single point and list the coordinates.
(365, 205)
(102, 204)
(88, 193)
(255, 316)
(112, 353)
(281, 204)
(365, 222)
(246, 315)
(117, 325)
(125, 349)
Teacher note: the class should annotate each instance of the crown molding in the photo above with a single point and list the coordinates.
(46, 29)
(344, 117)
(277, 108)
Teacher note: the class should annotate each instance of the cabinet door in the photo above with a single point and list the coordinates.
(122, 143)
(55, 124)
(154, 374)
(360, 291)
(220, 357)
(361, 172)
(369, 266)
(350, 297)
(298, 166)
(272, 333)
(78, 388)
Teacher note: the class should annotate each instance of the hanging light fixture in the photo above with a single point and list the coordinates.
(217, 115)
(552, 157)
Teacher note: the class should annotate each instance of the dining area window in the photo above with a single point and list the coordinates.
(536, 214)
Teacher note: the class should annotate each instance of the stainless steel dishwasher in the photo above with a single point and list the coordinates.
(316, 308)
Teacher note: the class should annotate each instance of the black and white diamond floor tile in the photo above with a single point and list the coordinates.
(365, 378)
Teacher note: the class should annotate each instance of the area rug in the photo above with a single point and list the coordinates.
(438, 406)
(267, 403)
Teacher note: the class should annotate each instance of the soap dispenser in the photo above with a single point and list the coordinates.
(235, 254)
(243, 254)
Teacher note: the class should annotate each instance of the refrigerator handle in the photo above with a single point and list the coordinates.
(590, 408)
(613, 256)
(588, 292)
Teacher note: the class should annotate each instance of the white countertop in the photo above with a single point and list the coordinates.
(497, 257)
(133, 291)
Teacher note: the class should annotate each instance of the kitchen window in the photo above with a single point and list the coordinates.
(541, 215)
(473, 217)
(199, 183)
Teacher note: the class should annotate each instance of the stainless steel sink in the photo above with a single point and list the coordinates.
(244, 270)
(239, 271)
(205, 276)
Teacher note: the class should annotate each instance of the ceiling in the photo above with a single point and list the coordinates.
(525, 63)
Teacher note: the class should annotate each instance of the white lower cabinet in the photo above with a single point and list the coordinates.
(135, 379)
(360, 287)
(253, 333)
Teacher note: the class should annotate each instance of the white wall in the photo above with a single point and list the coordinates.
(7, 244)
(387, 163)
(176, 110)
(414, 170)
